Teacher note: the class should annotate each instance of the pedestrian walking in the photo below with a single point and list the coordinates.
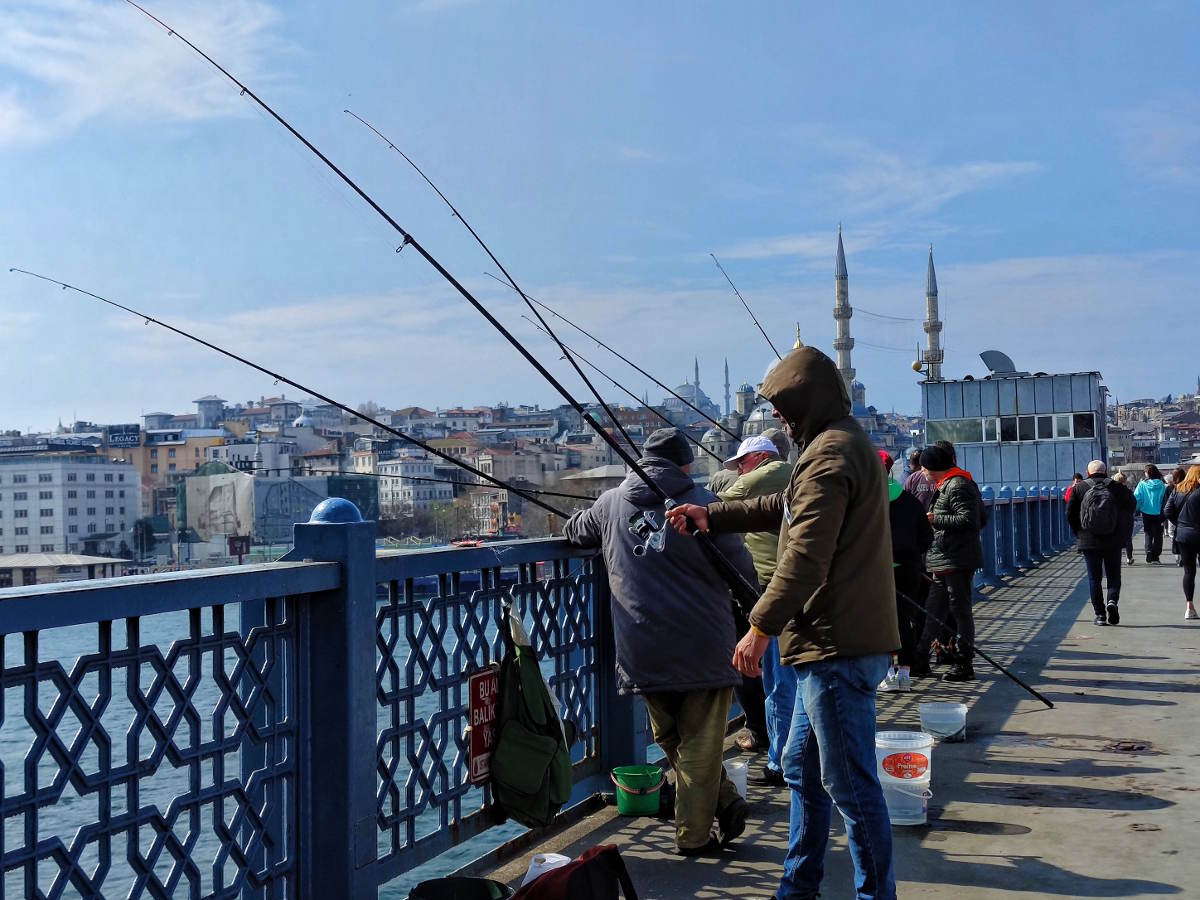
(911, 537)
(674, 635)
(831, 603)
(1127, 518)
(920, 485)
(1075, 479)
(1176, 479)
(1097, 512)
(1149, 495)
(1183, 509)
(957, 515)
(762, 472)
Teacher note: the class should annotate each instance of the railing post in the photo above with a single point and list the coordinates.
(1033, 502)
(1021, 532)
(988, 575)
(336, 843)
(1047, 529)
(1056, 506)
(1007, 545)
(624, 727)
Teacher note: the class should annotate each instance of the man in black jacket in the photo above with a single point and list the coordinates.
(1096, 523)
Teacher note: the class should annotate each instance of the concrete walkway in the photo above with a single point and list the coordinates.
(1099, 797)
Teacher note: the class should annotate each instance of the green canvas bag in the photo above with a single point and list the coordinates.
(531, 767)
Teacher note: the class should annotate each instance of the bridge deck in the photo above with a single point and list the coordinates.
(1037, 802)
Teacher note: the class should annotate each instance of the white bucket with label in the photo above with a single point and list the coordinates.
(736, 770)
(905, 767)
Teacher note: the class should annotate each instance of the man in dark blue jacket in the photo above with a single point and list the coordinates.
(674, 634)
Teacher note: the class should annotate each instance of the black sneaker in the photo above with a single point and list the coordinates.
(732, 820)
(712, 848)
(766, 777)
(920, 668)
(1114, 617)
(960, 672)
(1100, 620)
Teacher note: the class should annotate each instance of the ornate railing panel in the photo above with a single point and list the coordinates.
(150, 753)
(439, 623)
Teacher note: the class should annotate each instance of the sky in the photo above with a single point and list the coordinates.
(1050, 153)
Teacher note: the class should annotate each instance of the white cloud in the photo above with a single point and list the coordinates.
(1161, 139)
(80, 60)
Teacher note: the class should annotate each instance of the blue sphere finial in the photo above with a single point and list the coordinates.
(334, 511)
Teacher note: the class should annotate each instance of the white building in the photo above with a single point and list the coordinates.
(67, 503)
(402, 488)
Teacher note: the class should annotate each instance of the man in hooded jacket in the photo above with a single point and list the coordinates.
(831, 602)
(674, 634)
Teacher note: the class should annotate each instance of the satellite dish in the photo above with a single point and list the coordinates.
(998, 363)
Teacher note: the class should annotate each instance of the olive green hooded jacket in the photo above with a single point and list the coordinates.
(833, 592)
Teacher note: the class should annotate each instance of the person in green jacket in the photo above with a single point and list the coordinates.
(762, 471)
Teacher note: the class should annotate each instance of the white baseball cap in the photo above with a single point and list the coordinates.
(755, 444)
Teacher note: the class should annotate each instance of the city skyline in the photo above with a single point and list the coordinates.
(1054, 186)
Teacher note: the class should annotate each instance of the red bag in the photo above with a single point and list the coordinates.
(596, 875)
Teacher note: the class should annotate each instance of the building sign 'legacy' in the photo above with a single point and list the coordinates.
(124, 436)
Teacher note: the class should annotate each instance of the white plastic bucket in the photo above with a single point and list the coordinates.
(945, 721)
(905, 766)
(736, 770)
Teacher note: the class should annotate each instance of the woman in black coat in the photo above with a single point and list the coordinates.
(1183, 510)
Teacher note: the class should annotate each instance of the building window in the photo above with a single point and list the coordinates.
(47, 529)
(90, 476)
(108, 495)
(91, 528)
(171, 453)
(22, 529)
(19, 479)
(108, 510)
(47, 548)
(154, 469)
(91, 510)
(72, 510)
(121, 494)
(45, 495)
(1026, 428)
(72, 529)
(171, 467)
(1085, 425)
(1045, 428)
(20, 495)
(121, 476)
(71, 476)
(91, 495)
(20, 514)
(108, 476)
(72, 494)
(45, 513)
(24, 548)
(45, 477)
(154, 453)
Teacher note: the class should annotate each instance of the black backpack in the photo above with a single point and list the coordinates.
(1098, 511)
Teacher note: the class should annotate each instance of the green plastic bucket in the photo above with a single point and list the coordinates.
(637, 789)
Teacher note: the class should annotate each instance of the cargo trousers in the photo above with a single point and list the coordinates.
(689, 726)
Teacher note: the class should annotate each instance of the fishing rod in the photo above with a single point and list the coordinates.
(512, 281)
(627, 361)
(645, 524)
(770, 343)
(974, 648)
(636, 399)
(148, 319)
(423, 478)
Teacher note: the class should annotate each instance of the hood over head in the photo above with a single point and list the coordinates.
(668, 476)
(809, 392)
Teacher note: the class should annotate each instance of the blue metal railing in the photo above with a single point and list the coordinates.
(298, 729)
(1026, 526)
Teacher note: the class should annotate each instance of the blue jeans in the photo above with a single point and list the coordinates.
(830, 759)
(779, 684)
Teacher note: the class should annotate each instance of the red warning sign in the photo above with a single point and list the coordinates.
(483, 689)
(906, 765)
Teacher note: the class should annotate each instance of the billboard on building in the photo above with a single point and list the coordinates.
(124, 435)
(220, 504)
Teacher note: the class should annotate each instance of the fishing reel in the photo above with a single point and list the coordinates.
(652, 533)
